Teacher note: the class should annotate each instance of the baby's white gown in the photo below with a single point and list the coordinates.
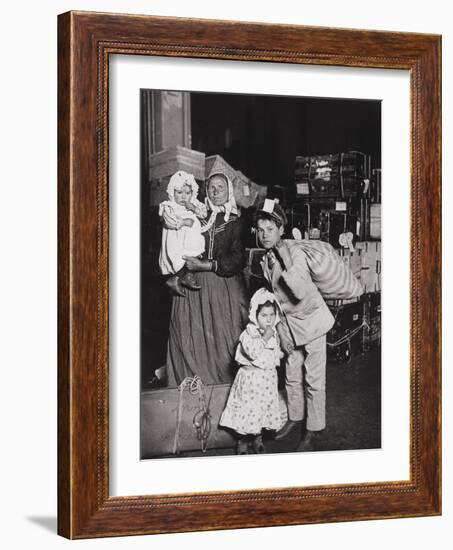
(176, 243)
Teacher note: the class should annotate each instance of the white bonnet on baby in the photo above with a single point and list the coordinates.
(178, 180)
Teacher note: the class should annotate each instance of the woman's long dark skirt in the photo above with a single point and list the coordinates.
(204, 330)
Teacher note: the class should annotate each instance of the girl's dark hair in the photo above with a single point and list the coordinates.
(267, 303)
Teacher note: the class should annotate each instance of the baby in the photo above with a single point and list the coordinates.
(184, 209)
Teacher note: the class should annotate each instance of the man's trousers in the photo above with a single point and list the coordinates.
(306, 383)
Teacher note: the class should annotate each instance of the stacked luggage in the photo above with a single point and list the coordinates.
(343, 340)
(337, 200)
(372, 316)
(333, 175)
(165, 163)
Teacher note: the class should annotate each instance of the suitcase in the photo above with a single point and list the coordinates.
(325, 187)
(371, 265)
(174, 420)
(302, 188)
(333, 175)
(354, 169)
(376, 184)
(375, 221)
(354, 164)
(305, 216)
(332, 224)
(360, 207)
(372, 315)
(320, 173)
(352, 186)
(345, 338)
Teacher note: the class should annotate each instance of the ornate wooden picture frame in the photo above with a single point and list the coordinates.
(85, 508)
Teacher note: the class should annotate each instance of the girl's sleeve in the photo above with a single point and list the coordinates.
(278, 346)
(252, 346)
(259, 352)
(231, 260)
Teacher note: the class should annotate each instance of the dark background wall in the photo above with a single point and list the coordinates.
(262, 135)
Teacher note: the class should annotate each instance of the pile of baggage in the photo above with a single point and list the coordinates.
(332, 175)
(164, 164)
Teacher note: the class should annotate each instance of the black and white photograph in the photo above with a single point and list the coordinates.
(218, 331)
(260, 274)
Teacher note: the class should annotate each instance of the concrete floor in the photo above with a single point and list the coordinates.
(353, 410)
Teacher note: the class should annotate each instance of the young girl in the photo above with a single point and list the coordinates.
(185, 210)
(253, 403)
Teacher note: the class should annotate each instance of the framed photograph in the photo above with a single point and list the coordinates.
(249, 313)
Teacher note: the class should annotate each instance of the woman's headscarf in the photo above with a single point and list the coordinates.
(229, 207)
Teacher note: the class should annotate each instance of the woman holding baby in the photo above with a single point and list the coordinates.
(209, 314)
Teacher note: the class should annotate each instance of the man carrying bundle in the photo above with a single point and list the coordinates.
(306, 318)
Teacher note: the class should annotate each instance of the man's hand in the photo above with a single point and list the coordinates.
(285, 339)
(288, 347)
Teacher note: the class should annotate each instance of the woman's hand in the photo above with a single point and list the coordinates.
(195, 264)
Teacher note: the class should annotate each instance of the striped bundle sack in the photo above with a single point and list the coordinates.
(331, 275)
